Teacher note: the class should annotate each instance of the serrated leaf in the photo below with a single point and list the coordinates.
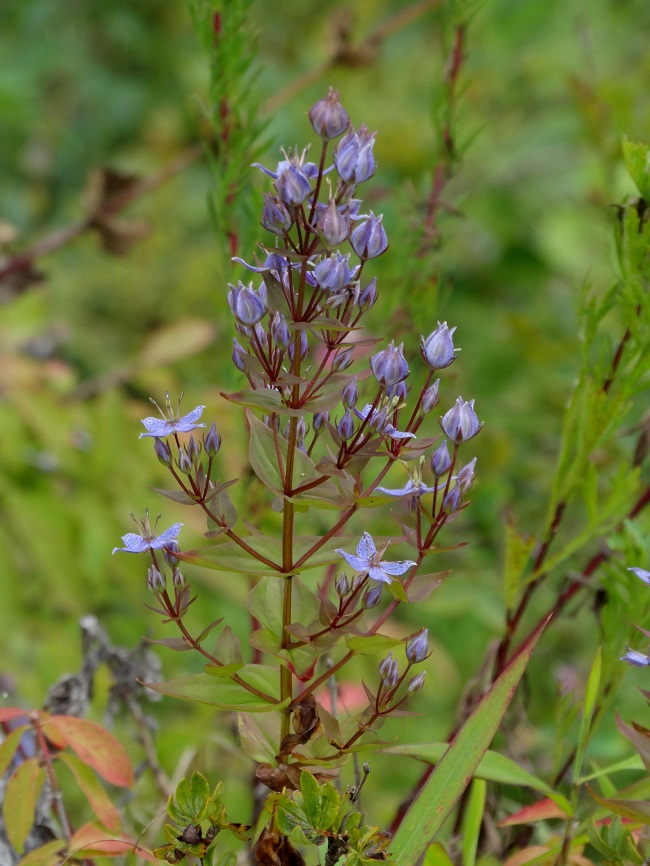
(95, 746)
(20, 799)
(227, 695)
(311, 798)
(97, 798)
(437, 798)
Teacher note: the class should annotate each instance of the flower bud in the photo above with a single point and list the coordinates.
(342, 360)
(293, 186)
(155, 580)
(304, 346)
(247, 305)
(178, 580)
(417, 647)
(416, 683)
(333, 273)
(212, 442)
(280, 331)
(169, 552)
(162, 451)
(354, 159)
(466, 476)
(368, 295)
(369, 238)
(372, 596)
(389, 672)
(452, 500)
(238, 355)
(333, 225)
(430, 397)
(328, 117)
(440, 461)
(345, 426)
(342, 585)
(320, 419)
(183, 462)
(275, 216)
(194, 450)
(461, 422)
(389, 366)
(350, 394)
(438, 348)
(397, 392)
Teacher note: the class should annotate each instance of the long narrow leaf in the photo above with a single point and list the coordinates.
(452, 775)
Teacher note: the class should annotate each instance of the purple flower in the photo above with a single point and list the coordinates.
(635, 658)
(275, 216)
(411, 488)
(369, 238)
(369, 559)
(461, 422)
(354, 159)
(247, 305)
(333, 224)
(438, 348)
(170, 422)
(384, 427)
(147, 539)
(334, 272)
(417, 648)
(328, 117)
(389, 366)
(642, 575)
(440, 460)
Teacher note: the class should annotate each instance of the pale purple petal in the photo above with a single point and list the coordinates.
(394, 433)
(355, 562)
(635, 658)
(403, 491)
(166, 537)
(133, 543)
(188, 422)
(366, 547)
(642, 574)
(396, 568)
(157, 427)
(378, 574)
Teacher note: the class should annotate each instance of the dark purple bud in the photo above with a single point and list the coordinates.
(280, 331)
(440, 461)
(328, 117)
(238, 355)
(398, 391)
(275, 216)
(155, 580)
(169, 552)
(369, 238)
(212, 441)
(417, 648)
(416, 683)
(247, 305)
(320, 419)
(372, 596)
(466, 476)
(389, 366)
(345, 426)
(342, 360)
(334, 273)
(342, 585)
(452, 500)
(368, 295)
(178, 580)
(304, 346)
(430, 398)
(461, 422)
(194, 450)
(350, 394)
(438, 348)
(183, 462)
(293, 186)
(162, 451)
(333, 225)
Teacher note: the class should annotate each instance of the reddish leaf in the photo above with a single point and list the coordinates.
(92, 839)
(95, 746)
(97, 797)
(541, 811)
(21, 796)
(9, 713)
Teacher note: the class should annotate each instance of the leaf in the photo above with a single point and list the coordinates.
(20, 799)
(177, 496)
(639, 737)
(543, 810)
(190, 802)
(97, 797)
(371, 644)
(9, 746)
(472, 821)
(259, 738)
(91, 839)
(448, 781)
(634, 810)
(7, 714)
(205, 689)
(518, 548)
(95, 746)
(637, 162)
(49, 854)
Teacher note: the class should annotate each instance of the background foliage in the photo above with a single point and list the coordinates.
(545, 94)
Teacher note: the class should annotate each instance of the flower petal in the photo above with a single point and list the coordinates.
(357, 563)
(157, 427)
(366, 547)
(188, 422)
(166, 537)
(397, 567)
(642, 574)
(377, 573)
(133, 543)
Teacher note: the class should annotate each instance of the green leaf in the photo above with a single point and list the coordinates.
(190, 802)
(311, 798)
(371, 644)
(637, 161)
(591, 697)
(518, 548)
(21, 796)
(206, 689)
(9, 746)
(437, 856)
(448, 781)
(472, 821)
(49, 854)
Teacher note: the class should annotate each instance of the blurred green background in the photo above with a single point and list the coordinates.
(547, 91)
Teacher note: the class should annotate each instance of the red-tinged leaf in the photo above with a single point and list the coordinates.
(49, 854)
(95, 746)
(177, 496)
(540, 811)
(174, 643)
(422, 585)
(634, 810)
(20, 799)
(9, 746)
(638, 736)
(93, 840)
(7, 714)
(97, 797)
(439, 795)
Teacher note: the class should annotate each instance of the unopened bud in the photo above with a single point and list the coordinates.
(466, 476)
(194, 450)
(430, 398)
(178, 580)
(438, 348)
(350, 394)
(368, 295)
(212, 441)
(342, 585)
(389, 366)
(238, 355)
(304, 346)
(280, 331)
(183, 462)
(275, 216)
(345, 426)
(369, 239)
(342, 360)
(389, 672)
(452, 500)
(328, 117)
(155, 580)
(333, 225)
(417, 648)
(320, 419)
(416, 683)
(162, 451)
(440, 460)
(169, 552)
(372, 596)
(461, 422)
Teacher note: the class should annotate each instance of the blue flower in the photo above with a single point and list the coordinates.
(147, 539)
(635, 658)
(642, 574)
(387, 428)
(369, 559)
(170, 422)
